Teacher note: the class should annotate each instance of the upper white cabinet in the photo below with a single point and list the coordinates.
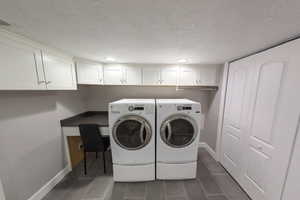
(187, 75)
(59, 72)
(20, 66)
(160, 75)
(151, 75)
(119, 74)
(25, 65)
(207, 75)
(169, 75)
(113, 74)
(132, 75)
(90, 73)
(198, 75)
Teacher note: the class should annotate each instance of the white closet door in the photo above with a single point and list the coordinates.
(234, 119)
(258, 136)
(259, 141)
(113, 74)
(187, 75)
(151, 75)
(59, 72)
(89, 73)
(20, 66)
(169, 75)
(132, 75)
(274, 120)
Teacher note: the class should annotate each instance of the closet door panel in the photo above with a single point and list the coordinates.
(232, 143)
(259, 149)
(236, 100)
(266, 101)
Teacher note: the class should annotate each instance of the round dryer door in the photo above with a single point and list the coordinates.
(132, 132)
(178, 131)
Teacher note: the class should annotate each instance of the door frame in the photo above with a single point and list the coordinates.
(2, 196)
(222, 102)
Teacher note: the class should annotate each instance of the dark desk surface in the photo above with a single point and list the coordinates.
(89, 117)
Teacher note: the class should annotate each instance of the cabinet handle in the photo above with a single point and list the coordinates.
(37, 71)
(260, 148)
(40, 82)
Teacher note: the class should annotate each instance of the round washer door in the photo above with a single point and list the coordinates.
(178, 131)
(132, 132)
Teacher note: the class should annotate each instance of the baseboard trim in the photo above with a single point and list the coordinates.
(208, 149)
(43, 191)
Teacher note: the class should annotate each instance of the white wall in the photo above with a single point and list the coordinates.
(31, 147)
(210, 132)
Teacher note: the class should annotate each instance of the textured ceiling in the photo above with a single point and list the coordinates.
(155, 31)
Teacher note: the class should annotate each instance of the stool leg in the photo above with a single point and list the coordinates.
(84, 157)
(104, 162)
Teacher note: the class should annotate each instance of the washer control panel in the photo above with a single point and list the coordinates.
(184, 107)
(135, 108)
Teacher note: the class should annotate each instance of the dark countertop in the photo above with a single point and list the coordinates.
(89, 117)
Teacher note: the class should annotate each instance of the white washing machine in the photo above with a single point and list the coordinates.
(178, 131)
(132, 136)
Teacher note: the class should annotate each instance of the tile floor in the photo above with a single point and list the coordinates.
(212, 183)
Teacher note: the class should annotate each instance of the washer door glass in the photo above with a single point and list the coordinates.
(132, 132)
(178, 131)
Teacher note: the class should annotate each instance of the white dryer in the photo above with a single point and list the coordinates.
(178, 132)
(132, 136)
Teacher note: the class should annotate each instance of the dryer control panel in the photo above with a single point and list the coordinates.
(184, 107)
(136, 108)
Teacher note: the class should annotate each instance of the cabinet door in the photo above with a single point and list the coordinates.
(113, 74)
(59, 72)
(187, 75)
(207, 76)
(20, 67)
(132, 75)
(151, 75)
(89, 73)
(169, 75)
